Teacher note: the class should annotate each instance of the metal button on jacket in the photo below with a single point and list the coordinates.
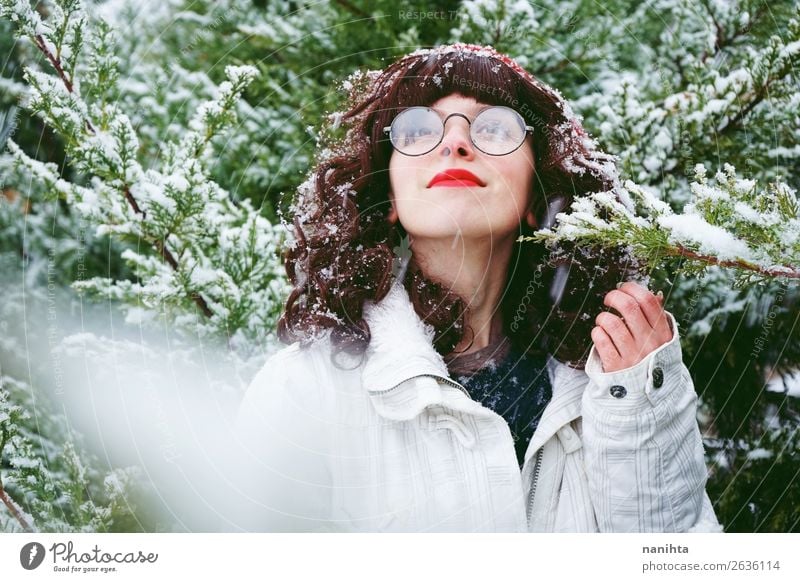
(658, 377)
(618, 391)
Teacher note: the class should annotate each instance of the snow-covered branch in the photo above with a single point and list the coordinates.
(10, 415)
(207, 250)
(732, 223)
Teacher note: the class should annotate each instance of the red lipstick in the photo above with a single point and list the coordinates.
(456, 178)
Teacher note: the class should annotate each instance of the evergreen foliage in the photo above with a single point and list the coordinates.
(150, 151)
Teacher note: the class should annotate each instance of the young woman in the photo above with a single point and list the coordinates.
(445, 385)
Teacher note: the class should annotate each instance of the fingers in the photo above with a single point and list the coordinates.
(650, 305)
(628, 308)
(609, 356)
(642, 326)
(617, 331)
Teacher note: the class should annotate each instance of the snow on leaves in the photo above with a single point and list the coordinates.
(205, 250)
(732, 223)
(45, 485)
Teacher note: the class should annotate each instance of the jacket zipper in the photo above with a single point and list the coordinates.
(447, 381)
(455, 384)
(535, 478)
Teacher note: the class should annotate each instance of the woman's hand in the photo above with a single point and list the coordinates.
(622, 342)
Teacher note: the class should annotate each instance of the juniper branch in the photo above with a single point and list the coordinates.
(160, 246)
(13, 509)
(55, 61)
(7, 501)
(731, 225)
(786, 271)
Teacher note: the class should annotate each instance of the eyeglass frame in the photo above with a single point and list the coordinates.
(528, 129)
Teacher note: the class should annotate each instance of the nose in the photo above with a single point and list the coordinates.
(456, 138)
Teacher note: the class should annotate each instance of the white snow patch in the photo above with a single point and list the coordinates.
(788, 384)
(710, 239)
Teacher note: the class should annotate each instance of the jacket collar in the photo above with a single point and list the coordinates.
(401, 349)
(401, 361)
(401, 344)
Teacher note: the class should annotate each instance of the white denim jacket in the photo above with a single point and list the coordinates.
(393, 444)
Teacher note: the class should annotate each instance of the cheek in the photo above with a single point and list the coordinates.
(400, 174)
(525, 175)
(518, 177)
(405, 181)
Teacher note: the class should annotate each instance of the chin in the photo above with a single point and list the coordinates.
(467, 231)
(443, 222)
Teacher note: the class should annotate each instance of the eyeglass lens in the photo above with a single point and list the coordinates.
(495, 130)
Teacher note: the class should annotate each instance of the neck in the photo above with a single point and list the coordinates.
(474, 269)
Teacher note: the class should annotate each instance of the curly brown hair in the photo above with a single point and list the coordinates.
(342, 253)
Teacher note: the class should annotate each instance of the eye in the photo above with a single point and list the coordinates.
(419, 133)
(417, 125)
(492, 129)
(424, 131)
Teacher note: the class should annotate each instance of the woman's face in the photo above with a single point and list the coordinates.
(493, 208)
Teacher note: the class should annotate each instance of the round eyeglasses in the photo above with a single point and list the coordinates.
(496, 130)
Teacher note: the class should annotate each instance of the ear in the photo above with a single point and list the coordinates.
(392, 216)
(530, 218)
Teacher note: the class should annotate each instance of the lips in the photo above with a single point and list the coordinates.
(456, 177)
